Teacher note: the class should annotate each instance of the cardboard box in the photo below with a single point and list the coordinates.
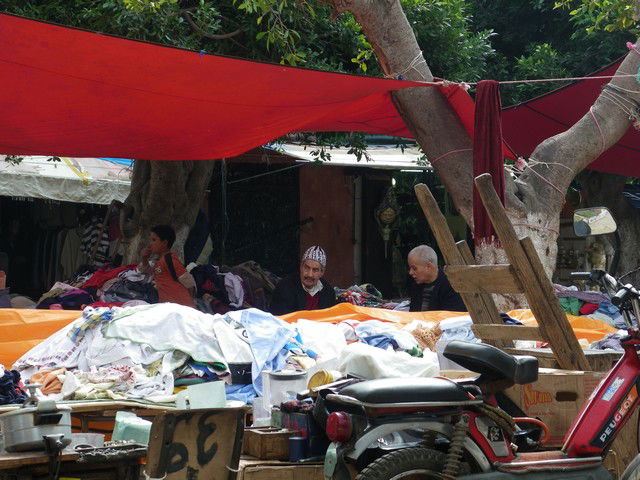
(556, 398)
(267, 443)
(253, 469)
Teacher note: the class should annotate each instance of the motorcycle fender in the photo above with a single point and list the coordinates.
(595, 473)
(370, 435)
(334, 466)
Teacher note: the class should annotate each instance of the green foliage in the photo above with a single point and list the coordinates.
(541, 61)
(606, 15)
(444, 32)
(534, 40)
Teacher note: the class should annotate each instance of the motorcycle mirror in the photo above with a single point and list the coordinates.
(593, 221)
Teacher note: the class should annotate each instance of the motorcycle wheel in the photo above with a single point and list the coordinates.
(632, 472)
(406, 464)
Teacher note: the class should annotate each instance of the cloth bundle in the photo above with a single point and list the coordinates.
(50, 379)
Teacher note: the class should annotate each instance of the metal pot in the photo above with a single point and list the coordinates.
(24, 429)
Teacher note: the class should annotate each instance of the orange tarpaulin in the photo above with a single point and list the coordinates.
(347, 311)
(584, 327)
(22, 329)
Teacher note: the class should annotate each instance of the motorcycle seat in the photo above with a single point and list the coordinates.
(492, 363)
(399, 391)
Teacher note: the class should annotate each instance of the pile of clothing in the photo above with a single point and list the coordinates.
(151, 351)
(144, 351)
(244, 286)
(365, 295)
(103, 287)
(591, 304)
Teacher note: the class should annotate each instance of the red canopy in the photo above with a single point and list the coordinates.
(70, 92)
(525, 125)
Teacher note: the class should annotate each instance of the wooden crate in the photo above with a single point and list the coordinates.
(253, 469)
(268, 443)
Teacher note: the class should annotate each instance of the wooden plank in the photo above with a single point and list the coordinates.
(562, 340)
(438, 225)
(557, 328)
(508, 332)
(252, 469)
(21, 459)
(483, 278)
(204, 443)
(599, 360)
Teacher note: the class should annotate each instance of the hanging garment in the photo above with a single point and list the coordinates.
(91, 235)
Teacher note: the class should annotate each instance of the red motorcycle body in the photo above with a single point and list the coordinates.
(608, 408)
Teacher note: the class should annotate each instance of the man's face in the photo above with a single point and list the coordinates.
(310, 272)
(422, 272)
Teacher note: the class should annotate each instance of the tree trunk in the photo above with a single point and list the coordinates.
(168, 193)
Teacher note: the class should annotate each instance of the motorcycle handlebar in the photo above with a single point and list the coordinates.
(580, 274)
(624, 294)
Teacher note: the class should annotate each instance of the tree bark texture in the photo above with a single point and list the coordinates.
(533, 200)
(168, 193)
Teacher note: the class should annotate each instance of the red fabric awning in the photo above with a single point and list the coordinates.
(77, 93)
(70, 92)
(525, 125)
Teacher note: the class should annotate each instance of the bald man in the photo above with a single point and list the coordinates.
(431, 290)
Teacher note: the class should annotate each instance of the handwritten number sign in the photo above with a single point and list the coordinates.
(196, 444)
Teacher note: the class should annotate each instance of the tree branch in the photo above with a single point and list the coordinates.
(186, 14)
(563, 156)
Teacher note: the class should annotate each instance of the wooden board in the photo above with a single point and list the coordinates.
(23, 459)
(599, 360)
(187, 444)
(102, 406)
(483, 279)
(507, 332)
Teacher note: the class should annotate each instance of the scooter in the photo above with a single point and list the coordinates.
(462, 432)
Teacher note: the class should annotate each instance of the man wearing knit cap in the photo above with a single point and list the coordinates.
(304, 290)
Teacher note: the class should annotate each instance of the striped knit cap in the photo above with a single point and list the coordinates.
(317, 254)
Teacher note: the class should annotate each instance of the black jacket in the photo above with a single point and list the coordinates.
(444, 297)
(289, 296)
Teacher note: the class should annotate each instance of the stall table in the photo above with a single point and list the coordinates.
(33, 465)
(101, 413)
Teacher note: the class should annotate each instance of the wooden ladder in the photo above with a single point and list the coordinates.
(523, 275)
